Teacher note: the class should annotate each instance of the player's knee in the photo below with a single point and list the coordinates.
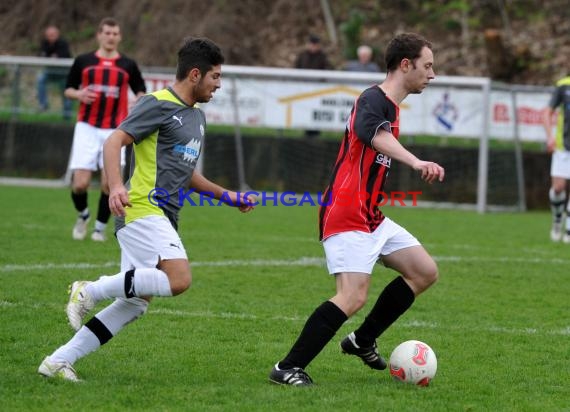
(430, 273)
(559, 187)
(180, 283)
(80, 185)
(179, 275)
(434, 276)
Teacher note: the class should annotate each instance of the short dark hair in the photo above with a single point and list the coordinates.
(404, 46)
(200, 53)
(313, 38)
(107, 21)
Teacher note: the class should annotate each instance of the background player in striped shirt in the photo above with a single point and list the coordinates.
(559, 146)
(356, 234)
(100, 80)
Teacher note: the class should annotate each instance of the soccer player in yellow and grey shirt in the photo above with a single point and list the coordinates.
(559, 146)
(168, 132)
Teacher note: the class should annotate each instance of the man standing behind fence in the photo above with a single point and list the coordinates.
(100, 80)
(364, 62)
(54, 46)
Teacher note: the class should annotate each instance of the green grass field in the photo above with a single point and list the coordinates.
(498, 319)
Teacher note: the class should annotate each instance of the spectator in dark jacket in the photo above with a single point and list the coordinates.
(313, 57)
(53, 45)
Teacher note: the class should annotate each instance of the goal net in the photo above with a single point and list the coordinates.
(478, 130)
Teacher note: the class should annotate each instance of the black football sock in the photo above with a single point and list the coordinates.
(319, 329)
(79, 201)
(394, 300)
(104, 212)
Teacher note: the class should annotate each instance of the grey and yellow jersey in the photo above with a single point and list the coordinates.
(561, 97)
(168, 137)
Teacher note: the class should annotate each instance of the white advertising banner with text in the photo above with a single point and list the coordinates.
(452, 111)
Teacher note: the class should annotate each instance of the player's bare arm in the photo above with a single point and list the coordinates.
(202, 185)
(384, 142)
(118, 194)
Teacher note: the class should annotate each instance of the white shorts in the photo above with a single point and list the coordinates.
(560, 166)
(358, 251)
(87, 148)
(146, 241)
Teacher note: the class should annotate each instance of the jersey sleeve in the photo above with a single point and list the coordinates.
(144, 119)
(369, 116)
(136, 80)
(557, 97)
(74, 75)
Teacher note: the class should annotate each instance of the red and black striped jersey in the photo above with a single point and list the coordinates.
(351, 200)
(111, 79)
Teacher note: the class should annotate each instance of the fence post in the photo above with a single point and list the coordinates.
(9, 151)
(483, 175)
(237, 136)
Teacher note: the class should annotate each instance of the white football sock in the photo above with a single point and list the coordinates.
(145, 282)
(114, 317)
(122, 312)
(557, 204)
(81, 344)
(84, 213)
(100, 226)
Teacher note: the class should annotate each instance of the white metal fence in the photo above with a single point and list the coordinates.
(468, 107)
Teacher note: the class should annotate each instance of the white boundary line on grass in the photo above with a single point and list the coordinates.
(302, 261)
(407, 324)
(31, 182)
(414, 324)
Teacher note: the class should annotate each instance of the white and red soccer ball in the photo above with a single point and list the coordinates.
(413, 362)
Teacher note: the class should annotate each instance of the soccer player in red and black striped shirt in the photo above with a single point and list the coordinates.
(354, 231)
(100, 80)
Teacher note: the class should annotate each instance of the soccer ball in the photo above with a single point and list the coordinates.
(413, 362)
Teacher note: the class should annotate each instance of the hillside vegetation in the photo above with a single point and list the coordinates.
(535, 33)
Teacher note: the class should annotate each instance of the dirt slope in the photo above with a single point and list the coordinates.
(271, 32)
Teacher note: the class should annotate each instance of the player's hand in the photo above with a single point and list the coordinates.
(248, 203)
(118, 200)
(243, 203)
(86, 95)
(430, 171)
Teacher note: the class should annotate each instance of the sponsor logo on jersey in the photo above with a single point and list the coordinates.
(107, 90)
(383, 160)
(191, 151)
(178, 119)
